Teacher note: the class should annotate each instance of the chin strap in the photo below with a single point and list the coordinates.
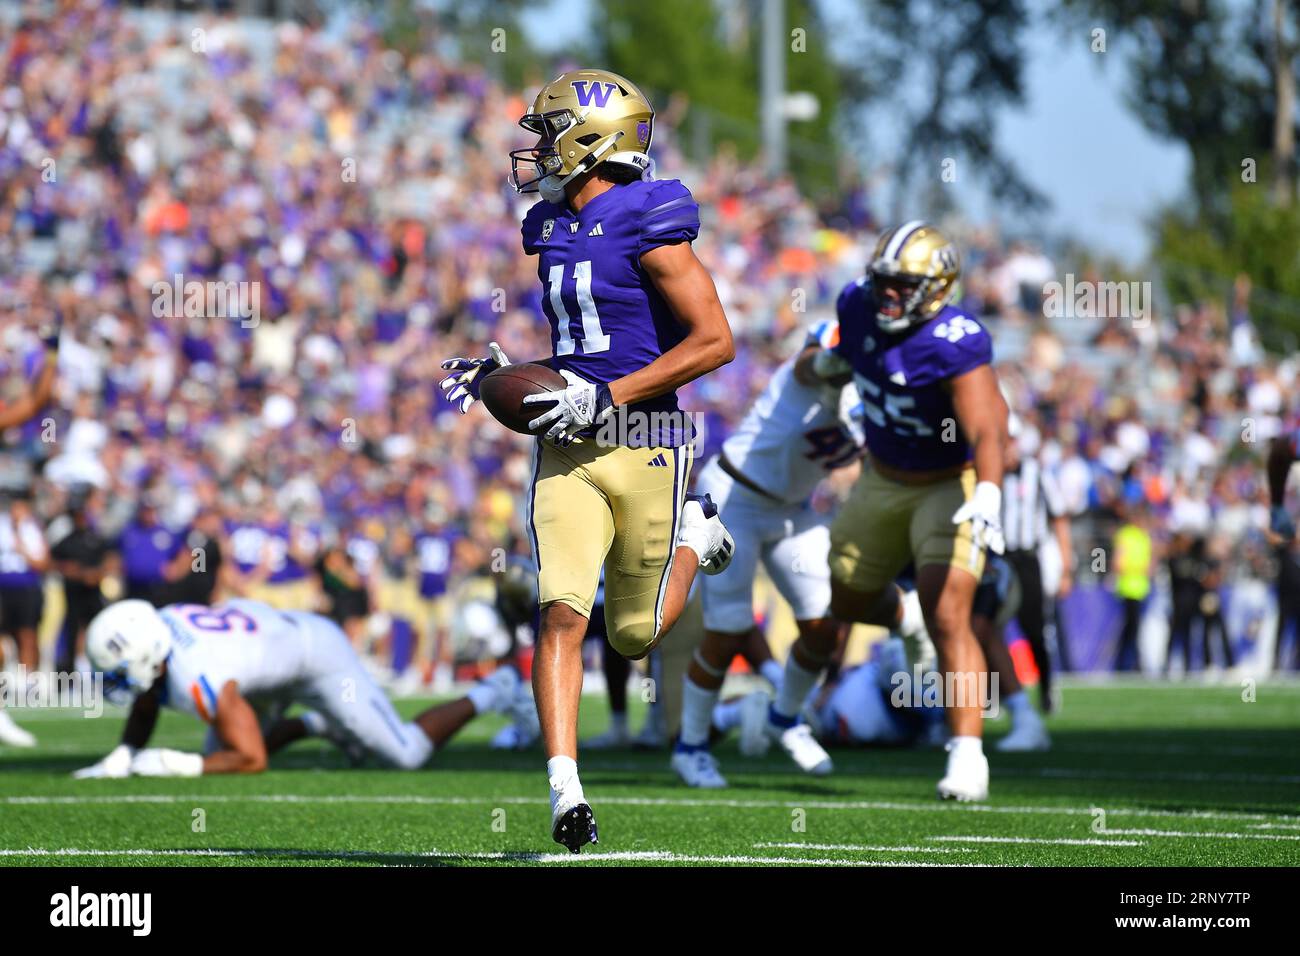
(588, 163)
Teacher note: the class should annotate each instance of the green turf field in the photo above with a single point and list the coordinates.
(1185, 775)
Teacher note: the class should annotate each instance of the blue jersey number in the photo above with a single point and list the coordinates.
(832, 446)
(593, 337)
(218, 619)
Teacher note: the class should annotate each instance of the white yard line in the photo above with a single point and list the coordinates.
(860, 848)
(1049, 841)
(1001, 771)
(1184, 776)
(1204, 835)
(1068, 747)
(592, 859)
(424, 800)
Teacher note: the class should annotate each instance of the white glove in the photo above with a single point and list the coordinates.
(827, 364)
(116, 765)
(984, 512)
(160, 762)
(462, 386)
(579, 406)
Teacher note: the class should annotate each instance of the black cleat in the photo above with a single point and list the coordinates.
(706, 503)
(575, 828)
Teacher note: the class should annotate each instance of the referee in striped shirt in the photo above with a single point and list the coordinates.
(1032, 504)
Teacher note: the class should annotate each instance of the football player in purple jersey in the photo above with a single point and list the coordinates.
(634, 316)
(936, 431)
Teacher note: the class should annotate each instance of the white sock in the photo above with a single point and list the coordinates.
(697, 712)
(1016, 703)
(772, 671)
(913, 620)
(563, 774)
(960, 747)
(483, 697)
(794, 688)
(727, 716)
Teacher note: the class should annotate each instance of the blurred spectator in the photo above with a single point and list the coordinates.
(1195, 577)
(1133, 563)
(346, 591)
(24, 558)
(207, 565)
(434, 545)
(81, 556)
(1288, 611)
(152, 556)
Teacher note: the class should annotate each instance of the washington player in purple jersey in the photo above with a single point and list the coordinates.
(936, 430)
(634, 315)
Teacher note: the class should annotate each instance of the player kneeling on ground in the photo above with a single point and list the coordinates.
(238, 666)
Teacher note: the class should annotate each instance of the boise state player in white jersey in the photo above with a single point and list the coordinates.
(798, 430)
(634, 316)
(936, 433)
(238, 666)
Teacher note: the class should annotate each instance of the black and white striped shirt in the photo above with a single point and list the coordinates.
(1030, 496)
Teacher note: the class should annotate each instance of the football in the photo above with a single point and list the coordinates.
(504, 390)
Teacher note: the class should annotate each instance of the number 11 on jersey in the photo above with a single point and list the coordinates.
(593, 338)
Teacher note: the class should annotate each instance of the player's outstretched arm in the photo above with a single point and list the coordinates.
(142, 720)
(139, 728)
(982, 415)
(688, 289)
(818, 366)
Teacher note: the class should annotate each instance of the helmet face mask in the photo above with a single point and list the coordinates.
(914, 273)
(581, 119)
(120, 689)
(897, 297)
(544, 156)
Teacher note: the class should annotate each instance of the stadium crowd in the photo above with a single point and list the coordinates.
(362, 196)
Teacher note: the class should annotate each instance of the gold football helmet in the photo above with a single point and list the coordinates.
(914, 272)
(582, 118)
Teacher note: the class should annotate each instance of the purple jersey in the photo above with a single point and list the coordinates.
(433, 550)
(909, 420)
(607, 318)
(250, 543)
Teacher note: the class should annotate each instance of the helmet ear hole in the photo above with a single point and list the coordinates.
(587, 139)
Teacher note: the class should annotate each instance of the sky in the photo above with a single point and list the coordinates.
(1075, 138)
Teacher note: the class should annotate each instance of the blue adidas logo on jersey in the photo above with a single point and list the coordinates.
(658, 461)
